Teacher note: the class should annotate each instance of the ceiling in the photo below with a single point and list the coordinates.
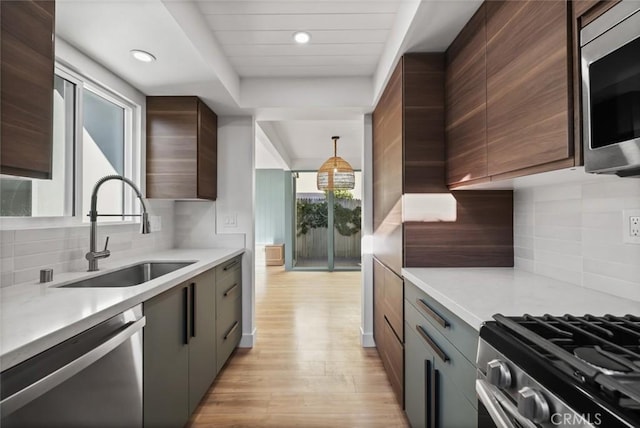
(240, 58)
(348, 37)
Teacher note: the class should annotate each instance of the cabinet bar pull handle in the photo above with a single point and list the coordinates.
(436, 398)
(231, 330)
(439, 352)
(230, 290)
(429, 396)
(193, 309)
(433, 314)
(230, 265)
(185, 295)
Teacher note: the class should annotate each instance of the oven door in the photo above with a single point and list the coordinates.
(611, 91)
(500, 408)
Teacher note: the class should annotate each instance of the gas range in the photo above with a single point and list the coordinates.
(560, 371)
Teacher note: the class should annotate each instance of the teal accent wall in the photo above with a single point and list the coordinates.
(270, 206)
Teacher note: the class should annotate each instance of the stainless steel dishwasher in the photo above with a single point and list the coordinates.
(91, 380)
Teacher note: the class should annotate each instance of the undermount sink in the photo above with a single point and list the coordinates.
(129, 276)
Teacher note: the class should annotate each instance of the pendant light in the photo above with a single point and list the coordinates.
(335, 173)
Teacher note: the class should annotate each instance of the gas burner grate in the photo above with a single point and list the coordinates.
(599, 350)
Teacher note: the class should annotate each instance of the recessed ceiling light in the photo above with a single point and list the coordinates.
(301, 37)
(142, 55)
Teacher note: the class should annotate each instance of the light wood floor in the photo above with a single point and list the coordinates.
(307, 368)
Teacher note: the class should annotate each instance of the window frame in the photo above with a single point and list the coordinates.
(73, 177)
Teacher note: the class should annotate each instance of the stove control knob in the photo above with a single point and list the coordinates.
(532, 405)
(498, 374)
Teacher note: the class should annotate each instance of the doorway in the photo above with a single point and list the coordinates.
(326, 225)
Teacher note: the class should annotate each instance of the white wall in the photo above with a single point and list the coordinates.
(205, 224)
(573, 232)
(366, 328)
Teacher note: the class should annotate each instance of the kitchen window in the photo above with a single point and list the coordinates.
(94, 134)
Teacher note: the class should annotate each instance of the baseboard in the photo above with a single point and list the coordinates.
(247, 340)
(366, 340)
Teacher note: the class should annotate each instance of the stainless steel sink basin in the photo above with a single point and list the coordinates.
(130, 276)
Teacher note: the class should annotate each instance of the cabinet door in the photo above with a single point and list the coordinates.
(26, 109)
(418, 369)
(466, 102)
(202, 344)
(378, 302)
(166, 360)
(207, 153)
(172, 147)
(528, 103)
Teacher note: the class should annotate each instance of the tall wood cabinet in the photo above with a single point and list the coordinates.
(182, 144)
(408, 156)
(27, 70)
(509, 92)
(409, 161)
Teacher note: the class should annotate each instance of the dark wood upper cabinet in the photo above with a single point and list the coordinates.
(510, 93)
(466, 101)
(408, 147)
(181, 148)
(529, 116)
(27, 70)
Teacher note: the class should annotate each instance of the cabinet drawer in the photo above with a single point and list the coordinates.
(229, 268)
(451, 363)
(458, 332)
(229, 331)
(392, 355)
(228, 289)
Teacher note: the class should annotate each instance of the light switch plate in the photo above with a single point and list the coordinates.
(231, 220)
(631, 226)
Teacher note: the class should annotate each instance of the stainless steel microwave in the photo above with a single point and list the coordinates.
(610, 56)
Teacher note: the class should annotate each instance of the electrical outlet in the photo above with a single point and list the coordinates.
(634, 226)
(631, 219)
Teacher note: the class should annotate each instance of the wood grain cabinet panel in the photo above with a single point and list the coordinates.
(466, 102)
(181, 149)
(528, 90)
(27, 70)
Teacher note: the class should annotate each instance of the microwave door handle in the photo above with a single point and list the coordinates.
(501, 410)
(45, 384)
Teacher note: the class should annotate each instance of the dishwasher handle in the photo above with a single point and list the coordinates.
(45, 384)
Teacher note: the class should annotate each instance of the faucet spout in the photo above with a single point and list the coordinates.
(93, 255)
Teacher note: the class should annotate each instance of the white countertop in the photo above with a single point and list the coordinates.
(36, 316)
(476, 294)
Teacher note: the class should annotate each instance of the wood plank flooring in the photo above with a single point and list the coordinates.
(307, 368)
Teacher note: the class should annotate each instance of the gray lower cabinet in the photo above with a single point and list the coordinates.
(439, 378)
(185, 343)
(228, 309)
(202, 343)
(166, 360)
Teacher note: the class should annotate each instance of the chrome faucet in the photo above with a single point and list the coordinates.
(93, 256)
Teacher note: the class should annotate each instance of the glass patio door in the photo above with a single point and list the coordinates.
(327, 226)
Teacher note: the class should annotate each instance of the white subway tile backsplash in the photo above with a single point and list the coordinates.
(574, 233)
(565, 220)
(524, 264)
(571, 248)
(557, 193)
(7, 236)
(558, 232)
(26, 251)
(568, 275)
(622, 271)
(6, 279)
(606, 284)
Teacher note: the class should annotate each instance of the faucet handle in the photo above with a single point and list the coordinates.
(106, 244)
